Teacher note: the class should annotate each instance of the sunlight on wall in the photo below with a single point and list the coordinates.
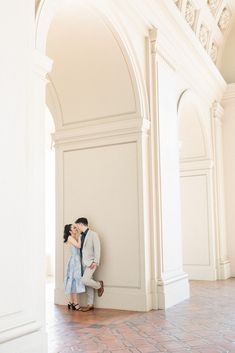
(50, 194)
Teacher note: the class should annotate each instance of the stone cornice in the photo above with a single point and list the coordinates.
(178, 43)
(98, 131)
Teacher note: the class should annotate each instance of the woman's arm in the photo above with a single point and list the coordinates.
(74, 242)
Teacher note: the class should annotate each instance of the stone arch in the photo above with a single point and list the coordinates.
(46, 12)
(105, 138)
(196, 180)
(192, 133)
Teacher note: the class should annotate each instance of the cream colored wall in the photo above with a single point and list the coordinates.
(85, 64)
(173, 283)
(228, 58)
(22, 136)
(101, 181)
(196, 190)
(202, 189)
(123, 106)
(94, 90)
(104, 186)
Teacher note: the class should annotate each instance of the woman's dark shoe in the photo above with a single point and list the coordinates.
(76, 307)
(70, 306)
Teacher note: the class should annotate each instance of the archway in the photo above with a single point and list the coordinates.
(95, 98)
(196, 191)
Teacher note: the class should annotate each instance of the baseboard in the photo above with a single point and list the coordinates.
(199, 272)
(115, 298)
(224, 270)
(173, 291)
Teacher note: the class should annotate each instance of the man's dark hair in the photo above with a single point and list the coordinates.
(82, 220)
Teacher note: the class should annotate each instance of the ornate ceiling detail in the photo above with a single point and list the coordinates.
(204, 35)
(211, 26)
(190, 13)
(214, 52)
(213, 5)
(224, 19)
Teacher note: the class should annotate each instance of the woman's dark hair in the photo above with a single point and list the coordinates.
(67, 229)
(82, 220)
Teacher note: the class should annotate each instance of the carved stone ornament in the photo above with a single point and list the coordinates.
(190, 13)
(214, 52)
(213, 4)
(204, 35)
(224, 19)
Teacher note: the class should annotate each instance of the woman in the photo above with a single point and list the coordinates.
(72, 281)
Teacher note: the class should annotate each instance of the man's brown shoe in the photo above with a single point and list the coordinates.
(101, 289)
(87, 308)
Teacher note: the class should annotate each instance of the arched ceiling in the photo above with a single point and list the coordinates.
(228, 58)
(213, 23)
(90, 77)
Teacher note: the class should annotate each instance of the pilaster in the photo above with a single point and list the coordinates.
(223, 263)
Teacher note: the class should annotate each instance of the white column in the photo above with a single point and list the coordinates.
(36, 131)
(172, 282)
(228, 128)
(22, 252)
(223, 263)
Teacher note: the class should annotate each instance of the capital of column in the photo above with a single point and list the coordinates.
(42, 65)
(217, 111)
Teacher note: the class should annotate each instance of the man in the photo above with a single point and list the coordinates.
(90, 257)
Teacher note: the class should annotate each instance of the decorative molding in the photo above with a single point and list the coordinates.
(190, 13)
(229, 95)
(223, 264)
(214, 52)
(191, 10)
(194, 164)
(207, 270)
(217, 111)
(176, 2)
(120, 298)
(108, 144)
(204, 35)
(177, 277)
(213, 5)
(173, 291)
(182, 47)
(23, 329)
(99, 131)
(224, 19)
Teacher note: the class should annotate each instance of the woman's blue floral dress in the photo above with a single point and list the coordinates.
(72, 281)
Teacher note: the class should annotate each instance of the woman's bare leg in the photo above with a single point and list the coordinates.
(74, 298)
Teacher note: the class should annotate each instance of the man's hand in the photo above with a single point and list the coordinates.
(93, 266)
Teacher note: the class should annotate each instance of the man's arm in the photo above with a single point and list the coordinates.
(76, 243)
(97, 249)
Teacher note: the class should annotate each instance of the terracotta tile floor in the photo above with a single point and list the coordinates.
(203, 324)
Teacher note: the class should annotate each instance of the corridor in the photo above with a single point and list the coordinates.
(203, 324)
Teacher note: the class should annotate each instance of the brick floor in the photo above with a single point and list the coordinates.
(203, 324)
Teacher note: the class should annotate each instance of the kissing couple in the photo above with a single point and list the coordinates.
(83, 262)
